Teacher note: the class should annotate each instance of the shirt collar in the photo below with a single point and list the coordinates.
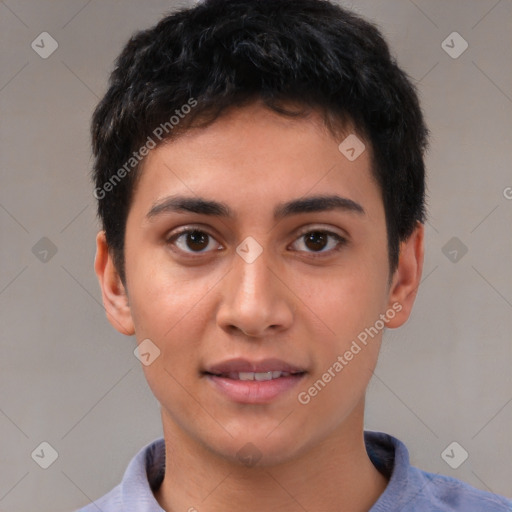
(146, 471)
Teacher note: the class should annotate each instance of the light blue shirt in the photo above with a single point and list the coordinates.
(409, 489)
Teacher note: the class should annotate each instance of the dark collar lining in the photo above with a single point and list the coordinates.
(380, 451)
(155, 464)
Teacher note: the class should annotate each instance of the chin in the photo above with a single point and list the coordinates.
(262, 450)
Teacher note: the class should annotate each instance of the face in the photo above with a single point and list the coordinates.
(255, 246)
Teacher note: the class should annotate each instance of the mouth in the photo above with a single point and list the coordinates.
(258, 376)
(248, 382)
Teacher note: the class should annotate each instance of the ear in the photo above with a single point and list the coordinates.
(407, 277)
(115, 298)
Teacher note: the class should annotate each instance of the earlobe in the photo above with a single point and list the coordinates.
(115, 299)
(407, 276)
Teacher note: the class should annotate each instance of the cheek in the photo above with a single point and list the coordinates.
(165, 297)
(352, 300)
(173, 316)
(349, 307)
(173, 313)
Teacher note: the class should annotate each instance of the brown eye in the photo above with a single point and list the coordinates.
(316, 240)
(192, 241)
(319, 242)
(197, 240)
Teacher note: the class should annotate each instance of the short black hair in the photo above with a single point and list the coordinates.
(198, 62)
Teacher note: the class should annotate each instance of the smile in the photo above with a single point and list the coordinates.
(254, 387)
(259, 376)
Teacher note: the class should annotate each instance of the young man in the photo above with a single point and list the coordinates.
(260, 179)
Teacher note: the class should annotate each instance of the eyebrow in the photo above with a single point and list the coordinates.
(199, 205)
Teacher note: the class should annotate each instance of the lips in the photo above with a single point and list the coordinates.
(259, 376)
(254, 382)
(243, 369)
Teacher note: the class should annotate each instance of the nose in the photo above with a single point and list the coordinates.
(255, 299)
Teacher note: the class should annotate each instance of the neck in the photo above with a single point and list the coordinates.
(333, 475)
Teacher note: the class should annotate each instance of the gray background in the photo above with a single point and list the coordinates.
(67, 378)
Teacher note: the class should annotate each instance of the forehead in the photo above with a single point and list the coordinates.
(254, 155)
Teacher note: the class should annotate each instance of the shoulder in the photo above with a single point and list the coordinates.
(110, 502)
(135, 492)
(412, 490)
(449, 494)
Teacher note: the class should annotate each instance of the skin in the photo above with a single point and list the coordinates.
(212, 306)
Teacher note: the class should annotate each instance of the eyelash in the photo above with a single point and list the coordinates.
(341, 241)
